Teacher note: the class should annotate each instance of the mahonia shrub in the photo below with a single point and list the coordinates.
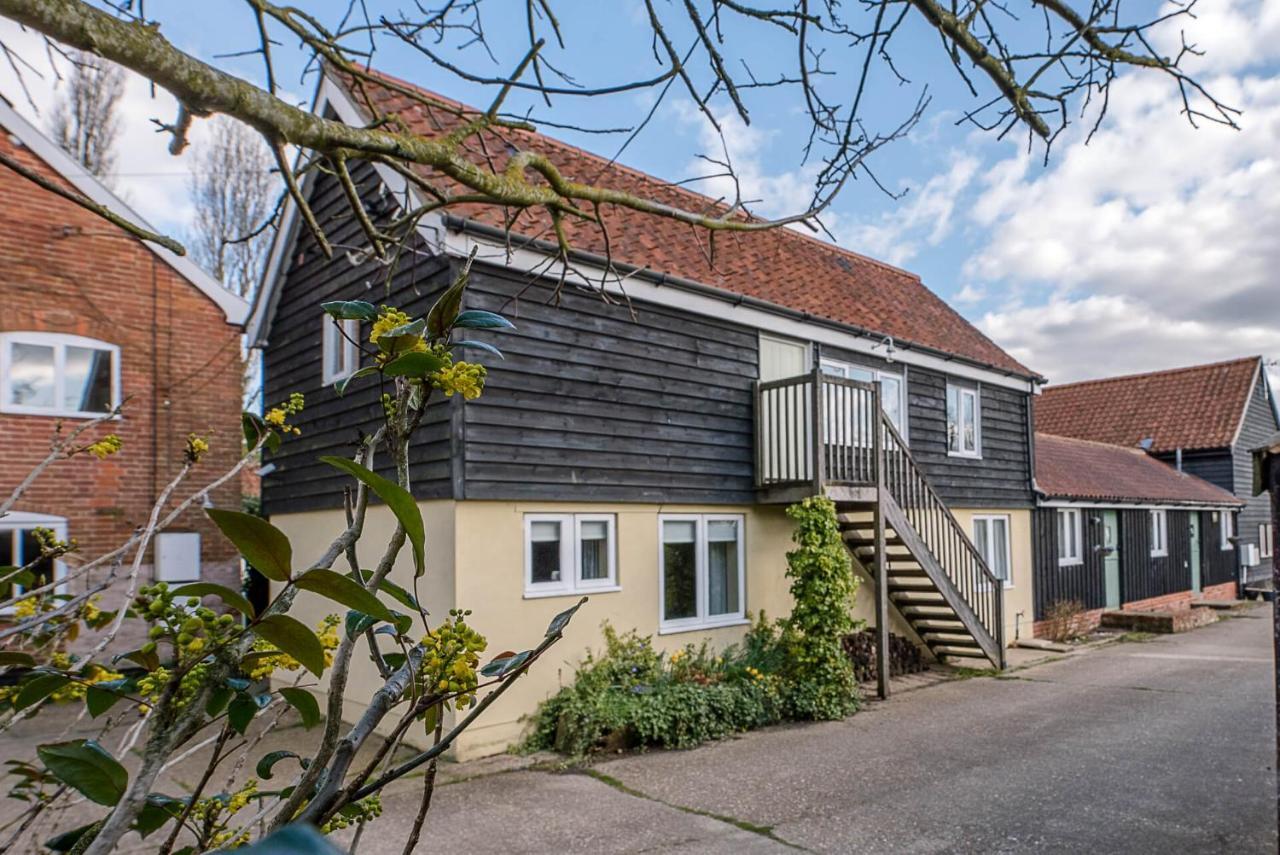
(820, 682)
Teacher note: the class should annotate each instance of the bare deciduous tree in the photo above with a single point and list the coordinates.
(84, 121)
(233, 192)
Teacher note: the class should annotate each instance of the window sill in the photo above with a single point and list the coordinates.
(12, 410)
(1075, 562)
(570, 592)
(1160, 554)
(965, 455)
(702, 626)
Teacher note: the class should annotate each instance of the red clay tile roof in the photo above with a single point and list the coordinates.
(1189, 408)
(781, 266)
(1081, 470)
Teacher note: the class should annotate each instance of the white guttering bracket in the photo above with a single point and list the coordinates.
(235, 309)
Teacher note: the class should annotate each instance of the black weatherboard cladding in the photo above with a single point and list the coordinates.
(1081, 582)
(1259, 424)
(291, 360)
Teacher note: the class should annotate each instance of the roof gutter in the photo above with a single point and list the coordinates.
(468, 226)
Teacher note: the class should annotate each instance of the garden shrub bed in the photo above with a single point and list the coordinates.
(633, 696)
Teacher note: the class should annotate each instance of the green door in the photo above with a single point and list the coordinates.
(1111, 558)
(1195, 551)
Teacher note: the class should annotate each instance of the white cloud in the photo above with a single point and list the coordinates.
(1155, 244)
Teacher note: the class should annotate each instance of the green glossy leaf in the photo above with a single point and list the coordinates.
(398, 499)
(67, 840)
(391, 589)
(480, 345)
(156, 811)
(393, 660)
(340, 386)
(240, 684)
(85, 767)
(203, 589)
(351, 310)
(342, 589)
(506, 664)
(402, 338)
(98, 699)
(305, 703)
(560, 621)
(402, 622)
(262, 544)
(241, 712)
(147, 661)
(445, 311)
(474, 319)
(296, 839)
(358, 622)
(218, 700)
(270, 759)
(255, 428)
(37, 688)
(14, 576)
(431, 718)
(293, 637)
(414, 365)
(13, 657)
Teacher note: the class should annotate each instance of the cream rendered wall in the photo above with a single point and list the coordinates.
(312, 532)
(1018, 596)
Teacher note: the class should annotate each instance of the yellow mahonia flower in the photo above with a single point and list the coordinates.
(196, 448)
(464, 378)
(25, 608)
(388, 319)
(104, 447)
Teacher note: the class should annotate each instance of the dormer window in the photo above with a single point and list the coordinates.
(51, 374)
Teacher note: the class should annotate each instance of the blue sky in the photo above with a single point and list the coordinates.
(1151, 247)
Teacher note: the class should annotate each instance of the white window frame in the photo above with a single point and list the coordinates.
(1226, 529)
(1159, 529)
(1266, 540)
(571, 581)
(59, 342)
(1074, 554)
(702, 620)
(989, 520)
(19, 520)
(331, 339)
(842, 370)
(806, 349)
(976, 393)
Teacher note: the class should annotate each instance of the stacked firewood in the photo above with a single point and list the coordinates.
(904, 657)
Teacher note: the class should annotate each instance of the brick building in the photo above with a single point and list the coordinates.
(91, 317)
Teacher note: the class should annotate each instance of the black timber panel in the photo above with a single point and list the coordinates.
(1217, 565)
(1213, 466)
(605, 401)
(292, 358)
(1258, 426)
(1082, 583)
(1143, 575)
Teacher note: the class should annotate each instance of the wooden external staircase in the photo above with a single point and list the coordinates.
(818, 434)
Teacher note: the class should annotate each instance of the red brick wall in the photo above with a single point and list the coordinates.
(1169, 602)
(64, 270)
(1225, 591)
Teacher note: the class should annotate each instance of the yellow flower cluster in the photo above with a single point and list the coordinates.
(452, 657)
(25, 608)
(464, 378)
(91, 674)
(755, 673)
(388, 320)
(262, 667)
(215, 813)
(104, 447)
(196, 448)
(365, 810)
(277, 417)
(676, 656)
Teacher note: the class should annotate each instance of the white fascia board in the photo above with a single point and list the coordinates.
(1136, 506)
(328, 95)
(531, 261)
(234, 308)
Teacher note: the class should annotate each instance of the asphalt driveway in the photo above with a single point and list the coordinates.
(1158, 746)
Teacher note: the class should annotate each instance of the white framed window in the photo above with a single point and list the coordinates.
(177, 556)
(991, 537)
(702, 571)
(964, 421)
(569, 553)
(1159, 533)
(19, 547)
(1070, 537)
(339, 353)
(52, 374)
(1226, 530)
(893, 391)
(1266, 540)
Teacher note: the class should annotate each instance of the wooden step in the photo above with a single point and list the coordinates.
(926, 624)
(930, 597)
(929, 611)
(950, 638)
(911, 570)
(910, 583)
(959, 652)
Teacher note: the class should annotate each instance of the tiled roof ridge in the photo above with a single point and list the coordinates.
(1133, 448)
(610, 163)
(1160, 372)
